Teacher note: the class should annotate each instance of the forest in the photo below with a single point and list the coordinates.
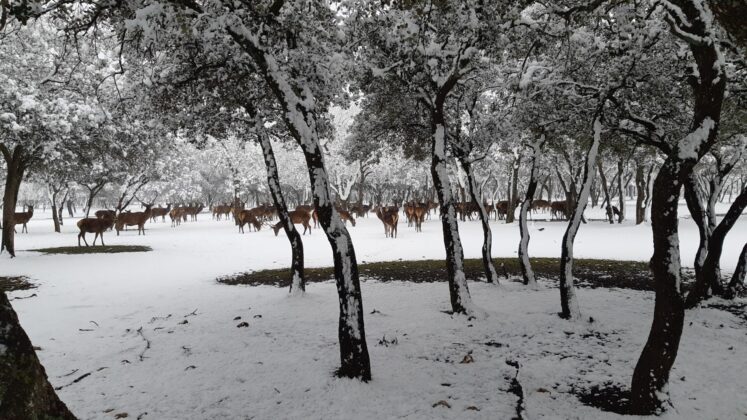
(561, 188)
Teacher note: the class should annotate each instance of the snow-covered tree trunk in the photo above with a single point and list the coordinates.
(736, 285)
(298, 281)
(620, 190)
(16, 166)
(487, 243)
(461, 301)
(651, 374)
(513, 196)
(603, 181)
(709, 278)
(526, 266)
(568, 300)
(25, 391)
(301, 123)
(640, 202)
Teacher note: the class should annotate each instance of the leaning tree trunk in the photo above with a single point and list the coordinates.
(603, 181)
(25, 391)
(487, 241)
(298, 281)
(709, 278)
(736, 285)
(698, 214)
(461, 301)
(524, 263)
(568, 300)
(10, 197)
(302, 124)
(55, 218)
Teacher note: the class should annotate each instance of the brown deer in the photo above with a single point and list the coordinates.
(160, 211)
(220, 211)
(176, 215)
(501, 210)
(345, 216)
(248, 217)
(301, 217)
(94, 225)
(133, 219)
(312, 212)
(389, 217)
(419, 216)
(541, 205)
(23, 218)
(559, 209)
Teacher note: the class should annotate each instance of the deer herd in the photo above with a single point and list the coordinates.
(415, 213)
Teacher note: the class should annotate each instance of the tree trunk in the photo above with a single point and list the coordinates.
(736, 285)
(651, 375)
(512, 200)
(640, 185)
(524, 263)
(298, 281)
(302, 124)
(620, 190)
(15, 168)
(487, 243)
(568, 300)
(708, 278)
(461, 301)
(603, 181)
(55, 219)
(25, 391)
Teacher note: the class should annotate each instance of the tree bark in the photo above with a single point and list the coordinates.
(298, 280)
(15, 168)
(512, 200)
(302, 124)
(651, 374)
(620, 190)
(736, 285)
(568, 300)
(708, 278)
(640, 185)
(603, 181)
(487, 242)
(526, 266)
(25, 391)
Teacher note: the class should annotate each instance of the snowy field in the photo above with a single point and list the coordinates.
(159, 336)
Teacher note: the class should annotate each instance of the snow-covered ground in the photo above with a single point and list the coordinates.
(89, 309)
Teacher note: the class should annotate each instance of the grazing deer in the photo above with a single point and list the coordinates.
(540, 205)
(133, 219)
(160, 211)
(559, 209)
(345, 216)
(312, 212)
(389, 217)
(94, 225)
(301, 217)
(23, 218)
(248, 217)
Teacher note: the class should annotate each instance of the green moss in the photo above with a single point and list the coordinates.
(588, 273)
(74, 250)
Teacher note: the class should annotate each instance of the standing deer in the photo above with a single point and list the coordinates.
(345, 216)
(23, 218)
(419, 213)
(133, 219)
(160, 211)
(389, 217)
(94, 225)
(248, 217)
(297, 217)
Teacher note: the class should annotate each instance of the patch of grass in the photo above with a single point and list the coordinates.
(588, 273)
(74, 250)
(11, 284)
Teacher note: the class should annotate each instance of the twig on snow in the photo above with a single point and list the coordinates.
(518, 390)
(147, 344)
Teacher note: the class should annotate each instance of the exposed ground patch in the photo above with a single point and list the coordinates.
(11, 284)
(75, 250)
(588, 273)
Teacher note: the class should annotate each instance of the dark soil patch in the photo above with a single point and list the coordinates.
(610, 397)
(11, 284)
(74, 250)
(588, 273)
